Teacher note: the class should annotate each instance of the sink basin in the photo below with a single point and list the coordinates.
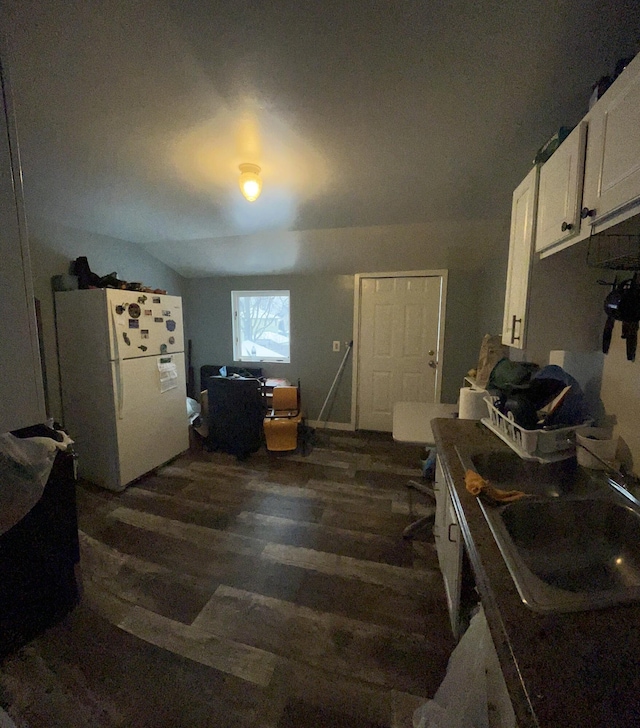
(574, 544)
(551, 480)
(585, 545)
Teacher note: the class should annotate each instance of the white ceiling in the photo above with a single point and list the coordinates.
(134, 114)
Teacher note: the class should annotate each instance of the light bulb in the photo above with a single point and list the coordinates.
(250, 182)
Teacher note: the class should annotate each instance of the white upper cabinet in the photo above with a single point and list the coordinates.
(560, 193)
(612, 173)
(523, 227)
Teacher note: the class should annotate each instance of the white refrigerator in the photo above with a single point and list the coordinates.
(122, 374)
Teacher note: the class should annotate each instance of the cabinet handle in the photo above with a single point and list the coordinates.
(453, 540)
(514, 321)
(586, 212)
(566, 226)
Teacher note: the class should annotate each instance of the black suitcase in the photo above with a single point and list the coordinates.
(236, 414)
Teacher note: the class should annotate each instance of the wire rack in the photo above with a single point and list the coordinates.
(614, 251)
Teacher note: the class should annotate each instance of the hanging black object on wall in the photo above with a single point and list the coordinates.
(623, 304)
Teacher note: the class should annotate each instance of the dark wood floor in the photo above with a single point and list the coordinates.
(273, 593)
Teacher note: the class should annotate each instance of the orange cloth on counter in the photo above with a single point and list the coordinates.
(476, 485)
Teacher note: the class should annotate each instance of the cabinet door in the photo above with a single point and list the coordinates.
(499, 708)
(452, 573)
(523, 217)
(612, 174)
(560, 192)
(449, 547)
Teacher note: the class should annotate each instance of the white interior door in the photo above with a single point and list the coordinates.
(400, 327)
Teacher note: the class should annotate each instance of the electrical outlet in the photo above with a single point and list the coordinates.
(336, 346)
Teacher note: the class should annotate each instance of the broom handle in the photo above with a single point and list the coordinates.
(338, 373)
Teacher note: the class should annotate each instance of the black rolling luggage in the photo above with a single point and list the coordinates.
(236, 414)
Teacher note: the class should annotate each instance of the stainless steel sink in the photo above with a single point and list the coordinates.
(574, 544)
(551, 480)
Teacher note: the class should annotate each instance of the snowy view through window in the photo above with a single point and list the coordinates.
(260, 325)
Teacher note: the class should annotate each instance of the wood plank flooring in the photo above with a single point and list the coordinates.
(272, 593)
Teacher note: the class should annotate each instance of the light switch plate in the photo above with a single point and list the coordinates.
(336, 346)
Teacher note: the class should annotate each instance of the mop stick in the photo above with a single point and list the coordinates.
(335, 380)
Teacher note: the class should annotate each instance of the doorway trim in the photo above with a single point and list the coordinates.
(441, 273)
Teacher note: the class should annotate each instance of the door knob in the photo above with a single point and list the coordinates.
(433, 364)
(566, 226)
(431, 352)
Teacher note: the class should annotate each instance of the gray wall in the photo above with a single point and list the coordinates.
(463, 322)
(566, 312)
(322, 307)
(322, 303)
(321, 312)
(53, 247)
(492, 282)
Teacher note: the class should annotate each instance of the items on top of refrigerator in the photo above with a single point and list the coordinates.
(81, 276)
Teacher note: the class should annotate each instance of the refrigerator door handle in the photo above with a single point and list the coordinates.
(114, 333)
(119, 389)
(119, 384)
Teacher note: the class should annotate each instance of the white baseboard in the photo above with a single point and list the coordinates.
(332, 425)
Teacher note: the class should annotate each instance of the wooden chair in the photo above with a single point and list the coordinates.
(282, 420)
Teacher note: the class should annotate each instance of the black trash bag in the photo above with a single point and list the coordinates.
(86, 278)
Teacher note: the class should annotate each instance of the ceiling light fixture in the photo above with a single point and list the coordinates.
(250, 182)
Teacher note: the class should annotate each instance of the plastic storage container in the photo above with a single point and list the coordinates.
(601, 441)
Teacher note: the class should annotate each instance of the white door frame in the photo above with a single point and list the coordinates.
(443, 274)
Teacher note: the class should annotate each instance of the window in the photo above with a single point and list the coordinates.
(260, 325)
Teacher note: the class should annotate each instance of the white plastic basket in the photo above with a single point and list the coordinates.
(531, 442)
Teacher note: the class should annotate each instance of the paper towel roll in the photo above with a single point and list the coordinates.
(472, 404)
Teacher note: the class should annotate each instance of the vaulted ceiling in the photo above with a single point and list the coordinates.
(134, 116)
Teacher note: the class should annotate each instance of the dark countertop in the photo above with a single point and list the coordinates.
(577, 669)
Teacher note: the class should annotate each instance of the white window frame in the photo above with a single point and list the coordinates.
(237, 347)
